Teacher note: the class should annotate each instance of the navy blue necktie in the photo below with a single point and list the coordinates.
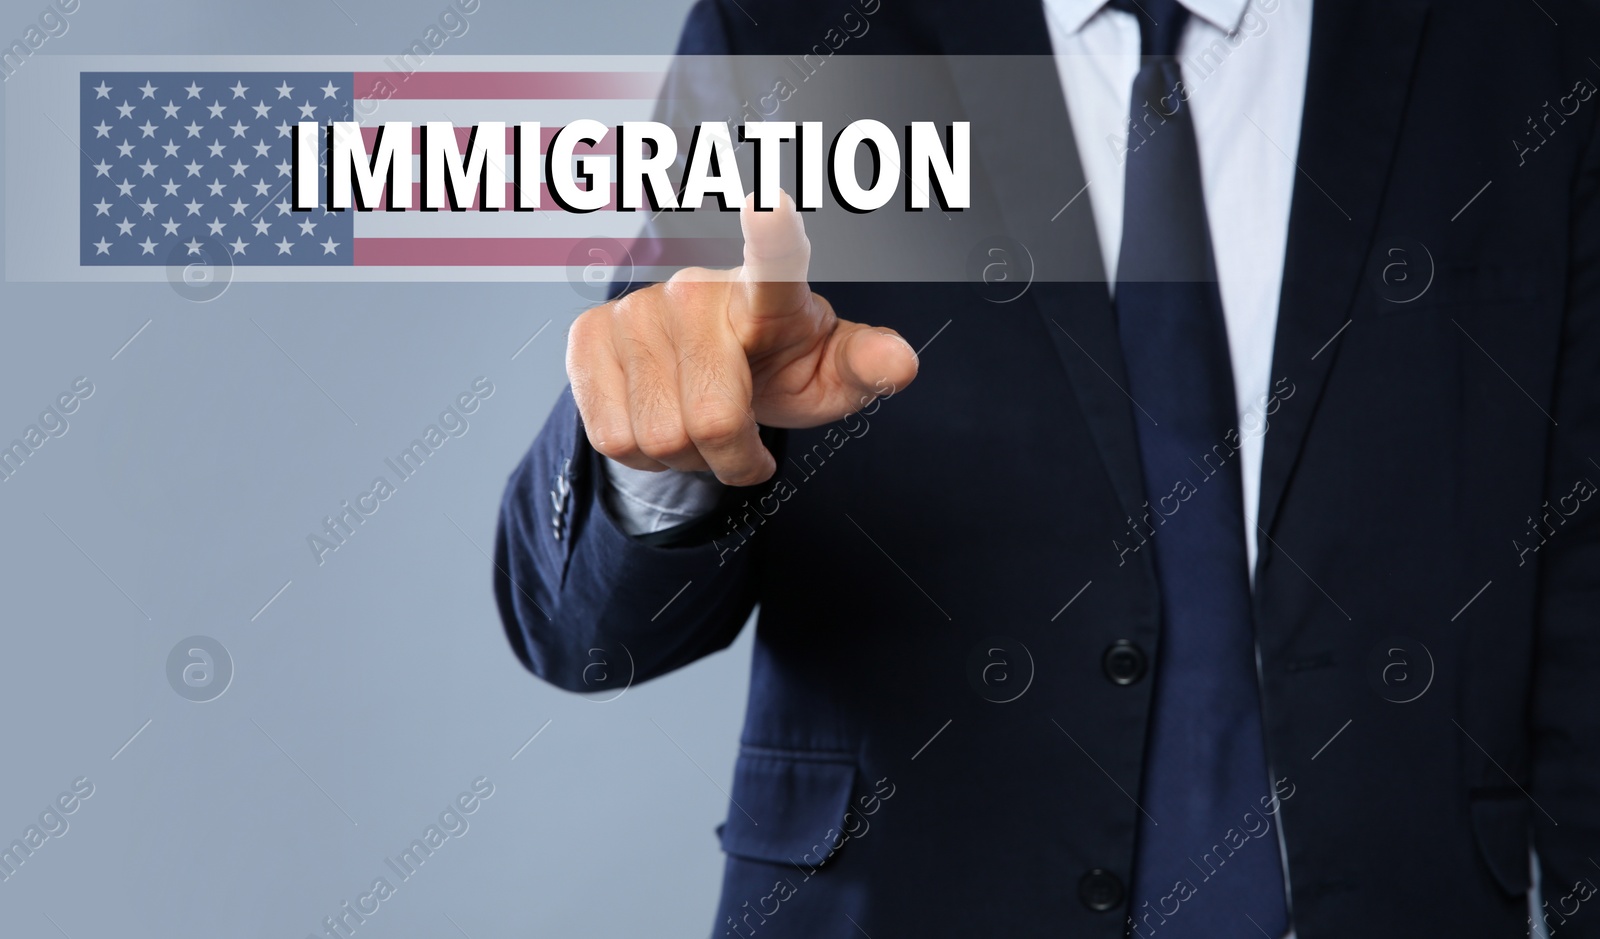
(1203, 868)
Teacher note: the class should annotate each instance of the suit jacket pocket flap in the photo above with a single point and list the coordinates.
(788, 809)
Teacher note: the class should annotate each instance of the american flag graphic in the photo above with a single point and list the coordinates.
(177, 167)
(175, 160)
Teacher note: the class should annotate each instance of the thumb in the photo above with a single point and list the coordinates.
(869, 361)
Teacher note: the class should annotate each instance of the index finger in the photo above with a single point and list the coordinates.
(771, 284)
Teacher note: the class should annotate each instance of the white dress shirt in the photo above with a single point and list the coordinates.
(1244, 62)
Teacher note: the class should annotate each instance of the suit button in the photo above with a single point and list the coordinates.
(1124, 662)
(560, 500)
(1100, 890)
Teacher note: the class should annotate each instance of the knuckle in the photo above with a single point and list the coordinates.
(592, 328)
(662, 439)
(639, 321)
(714, 424)
(609, 432)
(624, 313)
(691, 287)
(614, 444)
(619, 312)
(687, 275)
(582, 328)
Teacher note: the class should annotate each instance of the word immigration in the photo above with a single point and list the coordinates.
(937, 166)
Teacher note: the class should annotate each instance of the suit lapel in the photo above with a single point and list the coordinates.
(1362, 54)
(1024, 143)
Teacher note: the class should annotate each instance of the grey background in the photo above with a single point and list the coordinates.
(377, 686)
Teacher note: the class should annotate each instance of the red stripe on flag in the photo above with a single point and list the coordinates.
(507, 85)
(539, 252)
(606, 146)
(546, 203)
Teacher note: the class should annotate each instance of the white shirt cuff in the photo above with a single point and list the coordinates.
(645, 502)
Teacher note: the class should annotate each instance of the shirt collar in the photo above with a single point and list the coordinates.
(1225, 15)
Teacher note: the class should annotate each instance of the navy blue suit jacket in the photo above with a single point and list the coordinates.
(1427, 597)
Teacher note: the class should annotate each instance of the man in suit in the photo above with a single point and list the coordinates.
(1242, 583)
